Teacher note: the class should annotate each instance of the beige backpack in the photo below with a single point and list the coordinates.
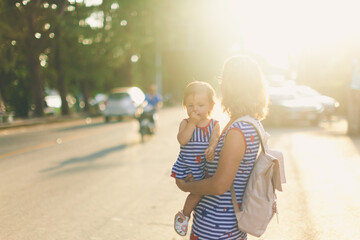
(259, 200)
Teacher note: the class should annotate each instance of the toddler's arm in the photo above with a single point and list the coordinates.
(186, 130)
(210, 151)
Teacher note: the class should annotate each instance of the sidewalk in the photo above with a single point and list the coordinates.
(19, 122)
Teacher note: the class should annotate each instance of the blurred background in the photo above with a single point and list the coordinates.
(90, 61)
(60, 57)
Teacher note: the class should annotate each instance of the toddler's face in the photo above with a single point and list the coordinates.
(198, 103)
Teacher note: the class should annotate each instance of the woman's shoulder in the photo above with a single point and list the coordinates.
(243, 126)
(246, 129)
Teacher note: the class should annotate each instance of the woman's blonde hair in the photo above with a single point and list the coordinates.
(200, 87)
(243, 88)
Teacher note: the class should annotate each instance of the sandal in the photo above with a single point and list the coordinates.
(181, 223)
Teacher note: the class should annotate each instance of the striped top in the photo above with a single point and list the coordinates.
(191, 159)
(214, 216)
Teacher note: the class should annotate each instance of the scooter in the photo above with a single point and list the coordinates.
(147, 121)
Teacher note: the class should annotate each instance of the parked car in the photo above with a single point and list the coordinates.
(123, 102)
(330, 105)
(288, 106)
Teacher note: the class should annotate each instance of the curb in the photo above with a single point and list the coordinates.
(43, 120)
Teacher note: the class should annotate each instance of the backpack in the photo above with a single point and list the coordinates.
(259, 200)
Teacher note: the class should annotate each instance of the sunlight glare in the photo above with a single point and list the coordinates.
(96, 20)
(280, 28)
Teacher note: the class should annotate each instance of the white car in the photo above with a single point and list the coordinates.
(299, 103)
(123, 102)
(330, 104)
(287, 106)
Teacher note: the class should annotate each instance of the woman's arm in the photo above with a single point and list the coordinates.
(231, 156)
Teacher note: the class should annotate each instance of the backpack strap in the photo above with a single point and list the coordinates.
(263, 136)
(261, 133)
(233, 198)
(279, 175)
(259, 130)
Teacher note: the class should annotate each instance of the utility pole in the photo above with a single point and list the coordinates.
(158, 65)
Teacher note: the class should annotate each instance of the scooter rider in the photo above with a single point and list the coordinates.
(154, 99)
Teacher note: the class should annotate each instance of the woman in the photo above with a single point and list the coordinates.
(243, 93)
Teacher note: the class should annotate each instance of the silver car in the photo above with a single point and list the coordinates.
(287, 106)
(123, 102)
(330, 104)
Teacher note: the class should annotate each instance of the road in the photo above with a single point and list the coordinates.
(90, 180)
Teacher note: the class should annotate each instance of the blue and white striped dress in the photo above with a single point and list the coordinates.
(191, 159)
(214, 216)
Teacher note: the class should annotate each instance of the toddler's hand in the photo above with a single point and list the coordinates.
(194, 118)
(181, 183)
(189, 178)
(210, 154)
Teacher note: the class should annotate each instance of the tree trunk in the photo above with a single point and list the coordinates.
(37, 85)
(60, 73)
(34, 68)
(85, 93)
(2, 89)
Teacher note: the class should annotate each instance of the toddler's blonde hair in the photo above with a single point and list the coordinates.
(243, 88)
(200, 87)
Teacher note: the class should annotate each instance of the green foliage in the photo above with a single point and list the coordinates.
(98, 57)
(178, 40)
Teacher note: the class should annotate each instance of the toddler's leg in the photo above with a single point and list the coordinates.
(181, 221)
(191, 201)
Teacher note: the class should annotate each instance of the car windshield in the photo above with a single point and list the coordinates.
(119, 96)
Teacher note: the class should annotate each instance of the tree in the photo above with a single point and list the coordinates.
(14, 86)
(34, 21)
(58, 56)
(51, 44)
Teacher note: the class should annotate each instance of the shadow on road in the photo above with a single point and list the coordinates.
(86, 159)
(82, 168)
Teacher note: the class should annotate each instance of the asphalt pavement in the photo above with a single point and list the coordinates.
(84, 179)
